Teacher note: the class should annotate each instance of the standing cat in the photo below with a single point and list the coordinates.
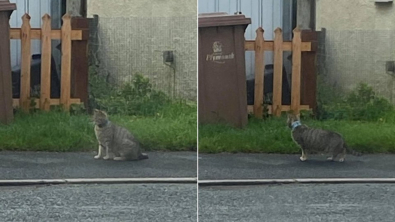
(318, 140)
(115, 140)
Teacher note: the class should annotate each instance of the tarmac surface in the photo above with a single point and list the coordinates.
(283, 166)
(50, 165)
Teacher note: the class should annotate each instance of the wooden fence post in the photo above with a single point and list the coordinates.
(278, 72)
(26, 60)
(259, 73)
(296, 62)
(45, 88)
(79, 63)
(308, 70)
(66, 63)
(6, 112)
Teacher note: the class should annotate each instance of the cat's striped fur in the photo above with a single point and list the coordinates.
(313, 140)
(116, 142)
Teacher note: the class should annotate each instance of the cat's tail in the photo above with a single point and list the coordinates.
(143, 156)
(351, 151)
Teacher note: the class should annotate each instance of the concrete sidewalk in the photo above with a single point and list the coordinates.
(281, 166)
(49, 165)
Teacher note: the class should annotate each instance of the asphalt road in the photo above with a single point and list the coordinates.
(294, 203)
(107, 203)
(281, 166)
(47, 165)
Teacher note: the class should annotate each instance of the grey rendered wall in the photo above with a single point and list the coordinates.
(360, 38)
(133, 34)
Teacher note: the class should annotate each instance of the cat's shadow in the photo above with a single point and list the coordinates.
(326, 163)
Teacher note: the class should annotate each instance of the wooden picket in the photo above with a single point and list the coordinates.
(278, 71)
(278, 46)
(66, 63)
(26, 62)
(296, 62)
(45, 88)
(46, 34)
(259, 68)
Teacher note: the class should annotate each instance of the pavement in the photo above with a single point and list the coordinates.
(107, 203)
(294, 203)
(282, 166)
(50, 165)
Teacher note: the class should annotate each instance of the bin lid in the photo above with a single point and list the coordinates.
(5, 5)
(222, 19)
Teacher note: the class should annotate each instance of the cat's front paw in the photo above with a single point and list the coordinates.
(329, 158)
(97, 157)
(303, 158)
(341, 160)
(106, 158)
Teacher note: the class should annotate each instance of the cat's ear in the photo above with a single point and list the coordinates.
(95, 110)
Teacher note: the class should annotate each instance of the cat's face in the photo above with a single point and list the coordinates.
(292, 118)
(99, 117)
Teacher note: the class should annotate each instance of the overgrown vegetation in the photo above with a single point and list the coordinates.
(159, 122)
(360, 104)
(366, 120)
(131, 98)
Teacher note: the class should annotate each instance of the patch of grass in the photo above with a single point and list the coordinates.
(53, 131)
(171, 128)
(272, 136)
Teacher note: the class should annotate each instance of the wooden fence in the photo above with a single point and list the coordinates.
(46, 34)
(278, 46)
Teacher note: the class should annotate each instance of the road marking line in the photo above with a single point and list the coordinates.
(292, 181)
(26, 182)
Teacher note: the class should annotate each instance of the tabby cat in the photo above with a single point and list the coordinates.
(117, 142)
(318, 140)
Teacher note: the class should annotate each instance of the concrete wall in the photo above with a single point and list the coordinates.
(360, 38)
(304, 16)
(134, 33)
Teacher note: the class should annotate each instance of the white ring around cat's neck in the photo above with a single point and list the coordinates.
(296, 124)
(104, 125)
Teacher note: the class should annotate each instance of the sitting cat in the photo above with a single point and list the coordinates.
(310, 140)
(116, 140)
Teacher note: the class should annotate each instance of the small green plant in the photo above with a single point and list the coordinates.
(77, 109)
(360, 104)
(137, 97)
(364, 104)
(99, 87)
